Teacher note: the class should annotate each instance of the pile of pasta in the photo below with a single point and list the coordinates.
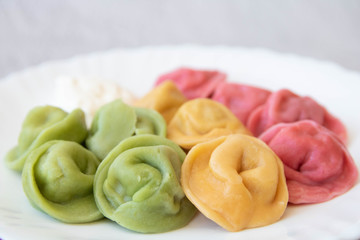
(239, 154)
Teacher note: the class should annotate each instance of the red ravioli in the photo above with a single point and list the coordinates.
(194, 83)
(284, 106)
(317, 165)
(240, 99)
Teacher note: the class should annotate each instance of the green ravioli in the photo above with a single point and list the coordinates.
(42, 124)
(116, 121)
(138, 185)
(58, 179)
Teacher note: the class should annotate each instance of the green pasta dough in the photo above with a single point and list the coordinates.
(58, 179)
(42, 124)
(138, 185)
(112, 123)
(149, 121)
(116, 121)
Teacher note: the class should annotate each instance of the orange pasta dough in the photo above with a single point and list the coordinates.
(237, 181)
(165, 98)
(200, 120)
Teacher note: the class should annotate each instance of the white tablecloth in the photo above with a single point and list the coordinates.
(32, 32)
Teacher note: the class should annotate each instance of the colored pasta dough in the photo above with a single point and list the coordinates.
(58, 179)
(237, 181)
(42, 124)
(138, 185)
(165, 98)
(200, 120)
(284, 106)
(317, 165)
(116, 121)
(241, 99)
(194, 83)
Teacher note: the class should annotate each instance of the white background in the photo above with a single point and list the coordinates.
(32, 32)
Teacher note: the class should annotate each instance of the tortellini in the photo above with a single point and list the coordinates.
(149, 122)
(284, 106)
(58, 179)
(138, 186)
(200, 120)
(241, 99)
(236, 180)
(42, 124)
(318, 167)
(194, 83)
(165, 98)
(116, 121)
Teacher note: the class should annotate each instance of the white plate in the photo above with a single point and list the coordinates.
(136, 69)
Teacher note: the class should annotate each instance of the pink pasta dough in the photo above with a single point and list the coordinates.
(317, 165)
(240, 99)
(194, 83)
(284, 106)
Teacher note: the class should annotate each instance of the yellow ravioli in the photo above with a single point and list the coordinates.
(165, 99)
(237, 181)
(201, 120)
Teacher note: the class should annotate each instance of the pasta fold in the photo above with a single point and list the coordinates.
(58, 179)
(138, 185)
(42, 124)
(200, 120)
(236, 181)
